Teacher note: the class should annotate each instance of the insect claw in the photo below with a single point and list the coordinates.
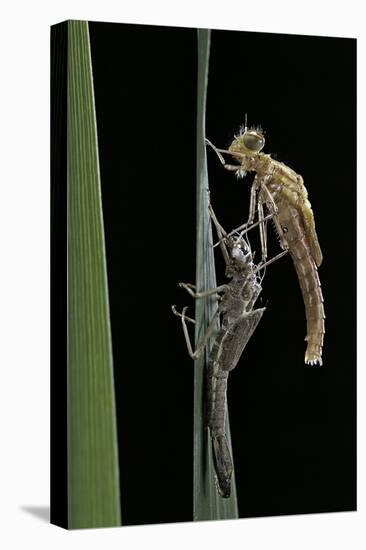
(221, 158)
(187, 286)
(183, 315)
(218, 243)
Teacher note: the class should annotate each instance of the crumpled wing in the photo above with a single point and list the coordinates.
(309, 225)
(304, 207)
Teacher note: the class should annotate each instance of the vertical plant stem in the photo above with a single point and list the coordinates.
(93, 477)
(207, 504)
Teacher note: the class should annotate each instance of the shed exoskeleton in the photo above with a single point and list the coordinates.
(237, 319)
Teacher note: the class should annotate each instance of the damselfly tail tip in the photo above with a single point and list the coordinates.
(313, 362)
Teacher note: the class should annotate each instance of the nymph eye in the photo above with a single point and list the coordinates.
(237, 251)
(253, 141)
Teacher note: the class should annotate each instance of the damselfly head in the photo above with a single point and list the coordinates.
(249, 141)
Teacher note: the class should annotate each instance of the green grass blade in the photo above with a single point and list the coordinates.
(93, 478)
(207, 504)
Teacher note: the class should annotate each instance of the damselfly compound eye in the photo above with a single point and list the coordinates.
(253, 141)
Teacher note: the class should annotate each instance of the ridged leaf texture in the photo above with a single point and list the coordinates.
(207, 504)
(93, 477)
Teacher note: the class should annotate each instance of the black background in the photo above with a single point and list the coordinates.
(293, 426)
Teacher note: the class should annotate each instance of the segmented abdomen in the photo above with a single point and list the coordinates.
(216, 389)
(290, 218)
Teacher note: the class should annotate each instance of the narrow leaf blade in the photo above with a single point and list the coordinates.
(93, 477)
(207, 504)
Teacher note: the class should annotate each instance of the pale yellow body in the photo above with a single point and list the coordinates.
(284, 193)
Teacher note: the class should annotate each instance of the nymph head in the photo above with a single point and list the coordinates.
(239, 251)
(240, 254)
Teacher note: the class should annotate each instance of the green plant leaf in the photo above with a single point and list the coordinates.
(207, 504)
(93, 477)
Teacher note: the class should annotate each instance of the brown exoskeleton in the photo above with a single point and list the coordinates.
(283, 192)
(239, 319)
